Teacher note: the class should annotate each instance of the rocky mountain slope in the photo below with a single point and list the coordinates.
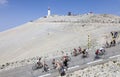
(49, 36)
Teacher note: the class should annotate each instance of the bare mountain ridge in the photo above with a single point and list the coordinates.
(86, 18)
(45, 36)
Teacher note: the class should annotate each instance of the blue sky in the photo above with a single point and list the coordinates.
(16, 12)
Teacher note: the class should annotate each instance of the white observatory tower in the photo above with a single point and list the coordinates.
(49, 12)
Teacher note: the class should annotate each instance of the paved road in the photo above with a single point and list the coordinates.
(76, 63)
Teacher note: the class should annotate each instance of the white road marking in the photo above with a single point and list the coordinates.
(114, 56)
(79, 66)
(95, 61)
(73, 67)
(44, 75)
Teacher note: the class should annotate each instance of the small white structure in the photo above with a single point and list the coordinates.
(48, 12)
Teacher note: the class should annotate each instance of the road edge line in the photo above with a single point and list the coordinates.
(45, 75)
(95, 61)
(73, 67)
(114, 56)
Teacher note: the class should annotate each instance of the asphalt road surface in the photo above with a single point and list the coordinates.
(75, 64)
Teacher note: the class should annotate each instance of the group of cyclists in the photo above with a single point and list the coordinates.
(41, 64)
(62, 64)
(80, 51)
